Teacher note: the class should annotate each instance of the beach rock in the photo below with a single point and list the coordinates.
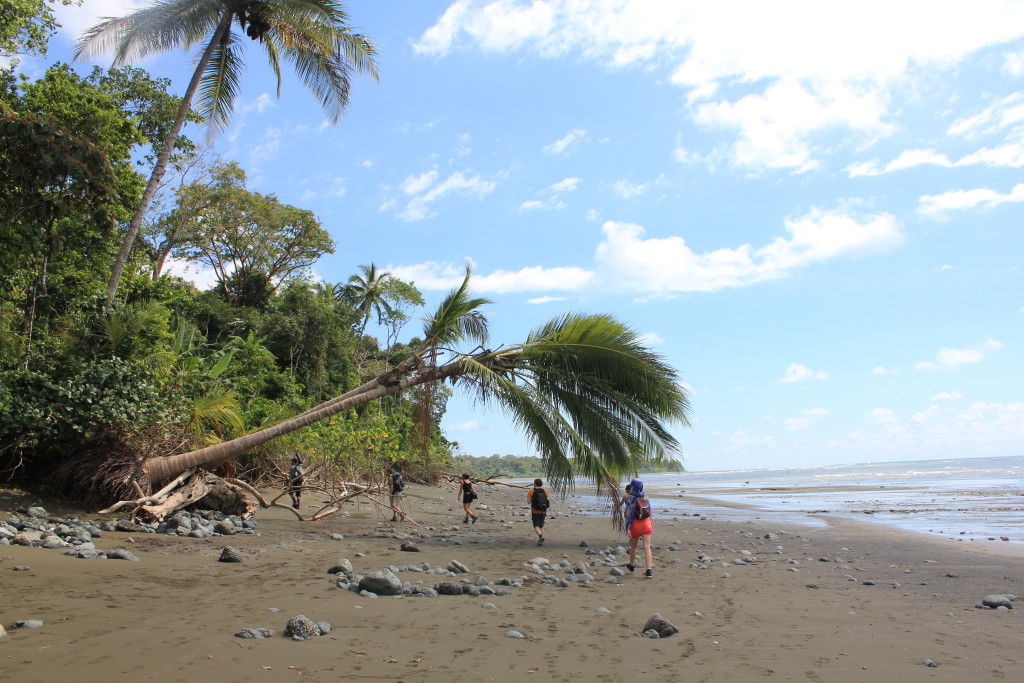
(470, 589)
(21, 568)
(224, 528)
(261, 632)
(409, 547)
(28, 623)
(131, 527)
(448, 588)
(994, 601)
(382, 582)
(489, 605)
(3, 631)
(84, 553)
(121, 554)
(929, 662)
(661, 625)
(514, 634)
(325, 627)
(539, 561)
(28, 538)
(37, 512)
(342, 566)
(230, 554)
(651, 633)
(428, 593)
(301, 627)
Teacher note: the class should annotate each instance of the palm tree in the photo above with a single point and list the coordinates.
(311, 34)
(367, 293)
(589, 396)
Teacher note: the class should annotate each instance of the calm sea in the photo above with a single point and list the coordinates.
(970, 498)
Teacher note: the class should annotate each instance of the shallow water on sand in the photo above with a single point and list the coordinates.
(971, 498)
(967, 499)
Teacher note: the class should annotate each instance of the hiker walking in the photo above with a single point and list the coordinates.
(468, 492)
(296, 478)
(539, 504)
(638, 524)
(397, 485)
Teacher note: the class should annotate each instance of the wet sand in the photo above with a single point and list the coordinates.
(172, 616)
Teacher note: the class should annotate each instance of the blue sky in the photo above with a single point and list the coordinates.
(812, 210)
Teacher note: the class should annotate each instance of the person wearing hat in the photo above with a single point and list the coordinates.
(638, 524)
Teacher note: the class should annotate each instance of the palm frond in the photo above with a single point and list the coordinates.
(457, 319)
(220, 84)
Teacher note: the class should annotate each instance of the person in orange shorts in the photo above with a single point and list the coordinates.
(638, 524)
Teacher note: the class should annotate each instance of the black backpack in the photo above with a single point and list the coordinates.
(540, 500)
(398, 482)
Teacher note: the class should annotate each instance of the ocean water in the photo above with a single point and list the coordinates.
(969, 498)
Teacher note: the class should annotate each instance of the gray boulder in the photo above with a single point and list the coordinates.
(448, 588)
(381, 582)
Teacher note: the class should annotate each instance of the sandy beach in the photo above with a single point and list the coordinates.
(850, 601)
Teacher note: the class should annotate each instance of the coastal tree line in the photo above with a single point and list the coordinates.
(115, 375)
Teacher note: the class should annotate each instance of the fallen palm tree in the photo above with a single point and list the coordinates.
(589, 396)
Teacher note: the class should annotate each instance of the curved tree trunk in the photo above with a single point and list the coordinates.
(165, 154)
(161, 469)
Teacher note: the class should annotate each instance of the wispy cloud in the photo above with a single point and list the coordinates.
(953, 358)
(882, 370)
(421, 192)
(806, 419)
(545, 299)
(800, 373)
(938, 204)
(568, 143)
(947, 396)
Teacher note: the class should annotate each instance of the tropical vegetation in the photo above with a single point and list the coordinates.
(106, 397)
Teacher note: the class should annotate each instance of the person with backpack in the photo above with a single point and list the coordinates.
(468, 494)
(638, 524)
(397, 485)
(296, 478)
(539, 504)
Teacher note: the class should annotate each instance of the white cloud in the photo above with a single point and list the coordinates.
(882, 370)
(799, 373)
(739, 438)
(774, 128)
(566, 185)
(434, 276)
(423, 190)
(545, 299)
(938, 204)
(533, 205)
(628, 190)
(651, 339)
(883, 415)
(952, 358)
(796, 72)
(947, 396)
(569, 142)
(664, 265)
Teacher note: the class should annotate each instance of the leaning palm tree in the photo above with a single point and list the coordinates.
(311, 34)
(589, 396)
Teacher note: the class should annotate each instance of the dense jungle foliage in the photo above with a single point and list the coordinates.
(166, 367)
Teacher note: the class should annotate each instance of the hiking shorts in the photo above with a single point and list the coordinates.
(538, 519)
(641, 527)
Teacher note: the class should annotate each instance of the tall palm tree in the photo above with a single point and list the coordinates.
(311, 34)
(589, 396)
(366, 292)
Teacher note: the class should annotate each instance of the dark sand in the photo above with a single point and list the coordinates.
(172, 616)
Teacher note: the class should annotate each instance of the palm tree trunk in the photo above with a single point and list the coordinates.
(165, 154)
(162, 469)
